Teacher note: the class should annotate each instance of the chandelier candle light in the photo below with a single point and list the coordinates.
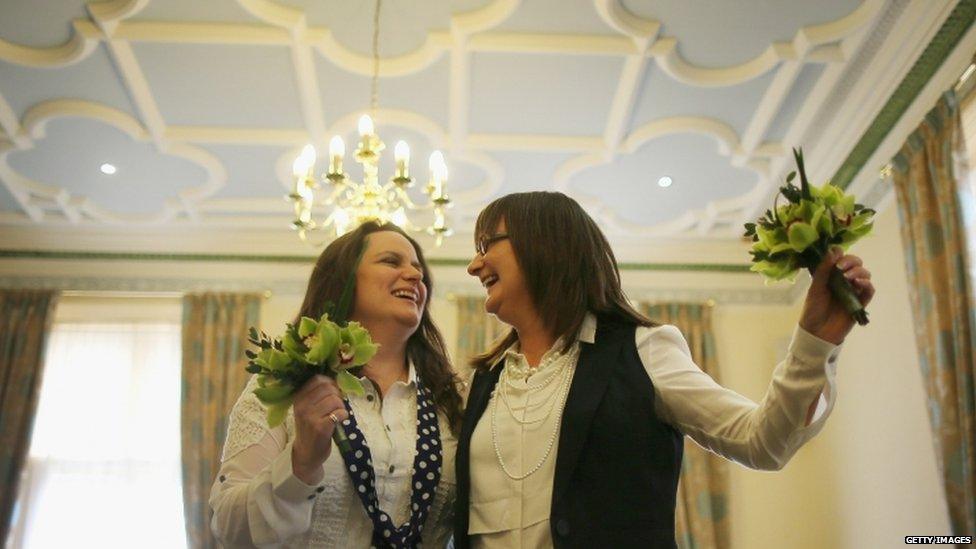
(354, 203)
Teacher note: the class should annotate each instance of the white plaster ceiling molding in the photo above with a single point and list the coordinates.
(40, 198)
(703, 218)
(520, 96)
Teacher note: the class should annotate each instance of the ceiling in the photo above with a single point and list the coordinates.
(203, 105)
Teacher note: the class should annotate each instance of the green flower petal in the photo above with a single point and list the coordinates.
(273, 394)
(278, 412)
(801, 236)
(306, 327)
(324, 342)
(349, 384)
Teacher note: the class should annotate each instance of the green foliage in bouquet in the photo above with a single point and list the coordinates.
(328, 346)
(314, 347)
(798, 235)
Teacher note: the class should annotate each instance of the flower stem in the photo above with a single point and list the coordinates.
(341, 440)
(844, 292)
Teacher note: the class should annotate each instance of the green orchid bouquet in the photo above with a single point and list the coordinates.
(799, 234)
(328, 346)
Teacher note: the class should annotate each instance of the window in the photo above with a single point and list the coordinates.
(104, 463)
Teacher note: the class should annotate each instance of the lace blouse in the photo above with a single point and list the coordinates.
(259, 502)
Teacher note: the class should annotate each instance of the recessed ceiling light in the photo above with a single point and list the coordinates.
(664, 182)
(107, 169)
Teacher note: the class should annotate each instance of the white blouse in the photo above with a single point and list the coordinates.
(512, 513)
(259, 502)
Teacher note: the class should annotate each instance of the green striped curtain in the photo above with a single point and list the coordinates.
(937, 211)
(25, 322)
(701, 513)
(476, 330)
(214, 339)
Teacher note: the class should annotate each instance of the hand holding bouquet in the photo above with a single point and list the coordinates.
(800, 233)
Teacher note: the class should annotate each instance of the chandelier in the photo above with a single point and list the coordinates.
(353, 203)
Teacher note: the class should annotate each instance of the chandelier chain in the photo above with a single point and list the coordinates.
(374, 98)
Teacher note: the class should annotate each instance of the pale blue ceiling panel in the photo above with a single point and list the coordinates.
(73, 151)
(92, 79)
(629, 185)
(556, 16)
(212, 11)
(528, 171)
(222, 85)
(719, 34)
(661, 96)
(404, 24)
(39, 23)
(250, 170)
(545, 94)
(805, 81)
(425, 92)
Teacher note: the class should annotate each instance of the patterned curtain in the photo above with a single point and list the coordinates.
(214, 339)
(25, 323)
(476, 330)
(937, 211)
(701, 515)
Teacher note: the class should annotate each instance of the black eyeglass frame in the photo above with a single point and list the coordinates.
(482, 244)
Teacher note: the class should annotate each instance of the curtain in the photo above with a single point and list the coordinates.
(104, 462)
(937, 212)
(214, 340)
(25, 322)
(476, 330)
(701, 514)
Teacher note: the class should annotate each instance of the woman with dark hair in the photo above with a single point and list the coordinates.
(572, 433)
(290, 486)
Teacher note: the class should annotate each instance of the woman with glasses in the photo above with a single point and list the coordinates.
(574, 422)
(290, 486)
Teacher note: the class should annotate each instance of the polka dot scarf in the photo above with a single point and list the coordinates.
(426, 475)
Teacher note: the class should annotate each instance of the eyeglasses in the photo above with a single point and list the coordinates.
(482, 244)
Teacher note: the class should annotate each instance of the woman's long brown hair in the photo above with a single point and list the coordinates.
(568, 265)
(425, 347)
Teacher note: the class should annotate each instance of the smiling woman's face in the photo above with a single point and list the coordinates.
(498, 269)
(389, 282)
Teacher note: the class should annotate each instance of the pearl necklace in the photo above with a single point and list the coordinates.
(566, 363)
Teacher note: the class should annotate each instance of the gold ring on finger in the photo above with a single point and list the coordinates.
(335, 420)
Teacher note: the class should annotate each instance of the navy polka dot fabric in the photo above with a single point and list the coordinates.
(424, 480)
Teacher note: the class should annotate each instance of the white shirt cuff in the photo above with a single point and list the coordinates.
(284, 483)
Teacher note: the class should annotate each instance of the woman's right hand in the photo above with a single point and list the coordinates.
(315, 404)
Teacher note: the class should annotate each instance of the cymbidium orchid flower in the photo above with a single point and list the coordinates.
(799, 234)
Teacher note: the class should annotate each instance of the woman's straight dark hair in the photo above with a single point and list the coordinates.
(568, 265)
(425, 347)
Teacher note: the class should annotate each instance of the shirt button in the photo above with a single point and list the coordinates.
(387, 428)
(562, 527)
(222, 478)
(369, 398)
(311, 496)
(392, 468)
(320, 489)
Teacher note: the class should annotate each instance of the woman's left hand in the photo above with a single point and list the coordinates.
(823, 315)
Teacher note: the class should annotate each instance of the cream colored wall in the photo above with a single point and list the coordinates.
(879, 441)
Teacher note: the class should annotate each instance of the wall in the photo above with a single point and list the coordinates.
(867, 480)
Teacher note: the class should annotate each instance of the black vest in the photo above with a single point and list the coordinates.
(617, 466)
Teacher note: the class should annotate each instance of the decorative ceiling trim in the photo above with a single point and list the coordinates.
(938, 49)
(36, 196)
(727, 142)
(310, 259)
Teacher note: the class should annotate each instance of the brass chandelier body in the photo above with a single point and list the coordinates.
(353, 203)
